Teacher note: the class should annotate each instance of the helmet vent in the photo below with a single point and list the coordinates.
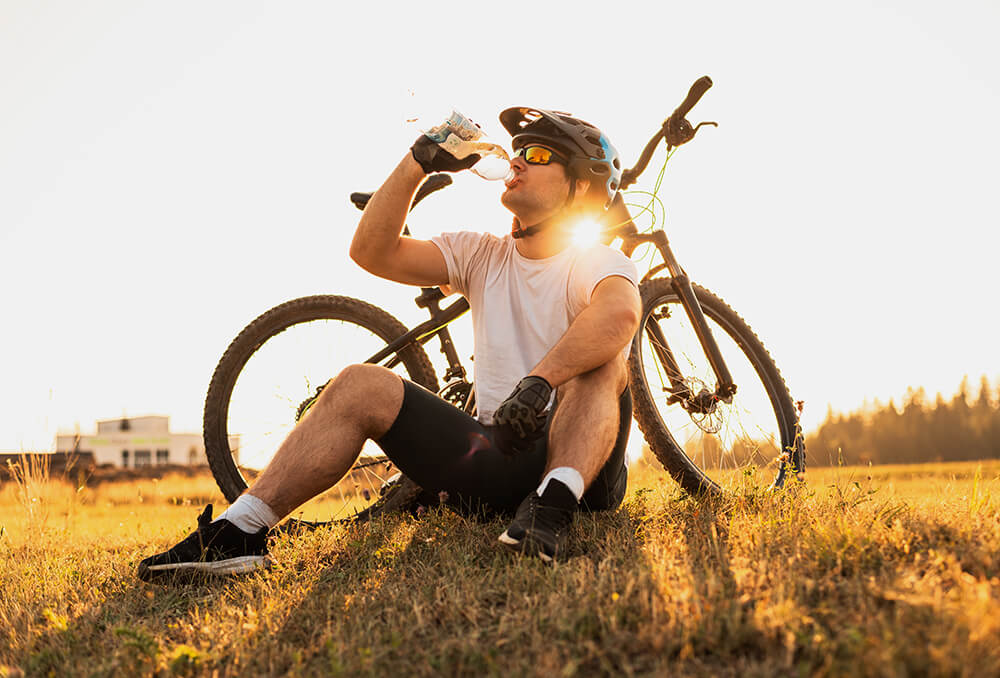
(595, 140)
(617, 164)
(529, 117)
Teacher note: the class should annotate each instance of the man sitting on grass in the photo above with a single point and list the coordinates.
(550, 319)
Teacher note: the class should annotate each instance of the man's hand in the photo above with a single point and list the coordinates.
(432, 158)
(520, 419)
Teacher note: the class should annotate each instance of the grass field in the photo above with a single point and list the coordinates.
(885, 571)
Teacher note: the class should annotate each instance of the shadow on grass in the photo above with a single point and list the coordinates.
(124, 634)
(439, 595)
(641, 590)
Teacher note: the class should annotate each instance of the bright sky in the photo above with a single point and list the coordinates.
(168, 171)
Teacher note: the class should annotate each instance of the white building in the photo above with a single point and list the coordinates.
(139, 441)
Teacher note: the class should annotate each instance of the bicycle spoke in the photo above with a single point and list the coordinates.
(728, 438)
(283, 373)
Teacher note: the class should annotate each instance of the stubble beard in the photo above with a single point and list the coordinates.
(522, 204)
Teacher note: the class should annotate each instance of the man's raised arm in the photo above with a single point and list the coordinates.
(378, 247)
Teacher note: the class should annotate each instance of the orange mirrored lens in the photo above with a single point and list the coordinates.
(537, 155)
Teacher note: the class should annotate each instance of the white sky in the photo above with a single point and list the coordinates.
(168, 171)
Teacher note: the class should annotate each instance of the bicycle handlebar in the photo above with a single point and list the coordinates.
(675, 129)
(696, 92)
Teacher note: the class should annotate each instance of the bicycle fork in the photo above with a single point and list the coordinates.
(725, 388)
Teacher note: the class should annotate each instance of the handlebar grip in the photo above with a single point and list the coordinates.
(696, 92)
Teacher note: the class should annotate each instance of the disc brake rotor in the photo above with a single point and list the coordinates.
(702, 406)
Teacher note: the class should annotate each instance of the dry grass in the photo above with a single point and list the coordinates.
(886, 571)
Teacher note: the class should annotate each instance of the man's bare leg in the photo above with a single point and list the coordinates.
(582, 434)
(585, 424)
(362, 402)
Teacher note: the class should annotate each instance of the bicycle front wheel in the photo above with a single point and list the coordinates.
(710, 445)
(274, 370)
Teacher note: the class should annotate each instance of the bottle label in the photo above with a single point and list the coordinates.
(457, 124)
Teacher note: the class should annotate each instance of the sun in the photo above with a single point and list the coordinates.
(586, 232)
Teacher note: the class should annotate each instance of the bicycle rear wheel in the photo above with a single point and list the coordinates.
(709, 445)
(275, 368)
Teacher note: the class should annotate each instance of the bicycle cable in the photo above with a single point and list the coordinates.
(649, 208)
(654, 199)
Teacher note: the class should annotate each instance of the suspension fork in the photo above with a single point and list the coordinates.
(682, 285)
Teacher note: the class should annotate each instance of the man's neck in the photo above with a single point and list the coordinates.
(548, 242)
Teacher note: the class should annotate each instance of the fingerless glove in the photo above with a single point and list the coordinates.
(432, 158)
(521, 418)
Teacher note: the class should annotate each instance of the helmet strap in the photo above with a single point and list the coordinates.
(517, 231)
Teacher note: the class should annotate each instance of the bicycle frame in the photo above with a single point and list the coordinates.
(430, 298)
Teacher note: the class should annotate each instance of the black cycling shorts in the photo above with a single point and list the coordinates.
(444, 449)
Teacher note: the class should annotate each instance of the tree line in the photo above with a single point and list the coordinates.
(964, 428)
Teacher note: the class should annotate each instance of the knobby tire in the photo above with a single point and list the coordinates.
(694, 479)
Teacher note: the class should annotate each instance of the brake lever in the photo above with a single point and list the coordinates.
(702, 124)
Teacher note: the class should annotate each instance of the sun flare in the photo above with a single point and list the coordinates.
(586, 232)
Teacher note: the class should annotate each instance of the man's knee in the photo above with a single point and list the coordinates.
(372, 393)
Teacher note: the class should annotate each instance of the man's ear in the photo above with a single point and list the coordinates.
(582, 186)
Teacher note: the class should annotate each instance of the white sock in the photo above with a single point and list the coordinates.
(568, 476)
(249, 514)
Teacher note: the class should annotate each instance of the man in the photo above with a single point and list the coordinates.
(552, 321)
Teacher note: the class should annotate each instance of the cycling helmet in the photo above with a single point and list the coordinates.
(591, 155)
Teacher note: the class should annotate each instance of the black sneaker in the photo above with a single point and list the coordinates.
(541, 523)
(214, 548)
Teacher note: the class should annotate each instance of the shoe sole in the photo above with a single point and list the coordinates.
(240, 565)
(527, 547)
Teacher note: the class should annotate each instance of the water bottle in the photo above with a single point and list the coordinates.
(461, 137)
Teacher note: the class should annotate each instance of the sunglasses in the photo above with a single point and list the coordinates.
(538, 155)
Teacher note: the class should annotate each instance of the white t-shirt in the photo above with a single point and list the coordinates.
(521, 307)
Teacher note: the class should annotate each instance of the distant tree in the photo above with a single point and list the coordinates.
(955, 430)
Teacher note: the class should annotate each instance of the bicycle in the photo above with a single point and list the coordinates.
(708, 397)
